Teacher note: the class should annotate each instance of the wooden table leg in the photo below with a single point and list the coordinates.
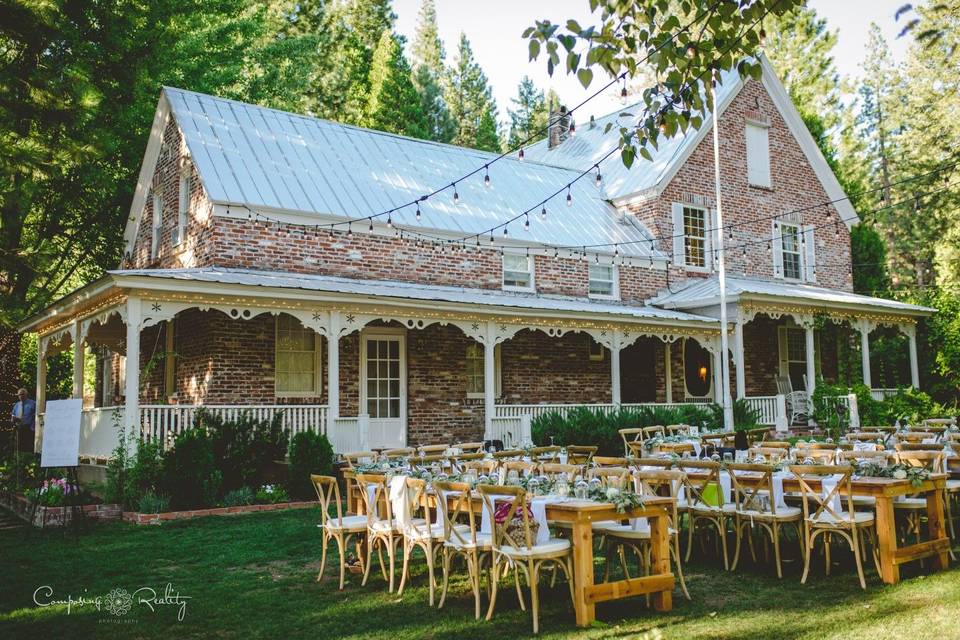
(582, 539)
(887, 540)
(660, 550)
(936, 526)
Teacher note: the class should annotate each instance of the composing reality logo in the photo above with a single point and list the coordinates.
(118, 602)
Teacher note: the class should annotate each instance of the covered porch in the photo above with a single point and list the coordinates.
(367, 363)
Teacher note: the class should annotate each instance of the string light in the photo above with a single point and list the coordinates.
(573, 127)
(526, 222)
(418, 212)
(370, 228)
(569, 196)
(520, 154)
(350, 229)
(598, 180)
(623, 92)
(456, 196)
(486, 177)
(505, 232)
(543, 213)
(389, 221)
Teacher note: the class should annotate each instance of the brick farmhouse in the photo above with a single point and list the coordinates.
(255, 278)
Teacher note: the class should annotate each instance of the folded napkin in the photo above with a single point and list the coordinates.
(864, 446)
(697, 447)
(725, 486)
(826, 486)
(778, 489)
(398, 500)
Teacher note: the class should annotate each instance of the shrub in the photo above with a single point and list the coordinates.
(152, 503)
(744, 417)
(309, 453)
(189, 474)
(238, 497)
(586, 426)
(907, 404)
(271, 494)
(244, 447)
(145, 472)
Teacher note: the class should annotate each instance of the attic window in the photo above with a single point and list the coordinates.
(758, 155)
(517, 272)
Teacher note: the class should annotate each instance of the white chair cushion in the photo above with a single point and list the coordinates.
(382, 526)
(707, 508)
(910, 503)
(782, 512)
(435, 531)
(347, 523)
(953, 486)
(860, 517)
(626, 531)
(484, 541)
(550, 547)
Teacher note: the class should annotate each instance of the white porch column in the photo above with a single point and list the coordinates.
(718, 373)
(615, 368)
(667, 370)
(333, 368)
(489, 380)
(78, 348)
(911, 331)
(811, 362)
(738, 358)
(864, 328)
(132, 384)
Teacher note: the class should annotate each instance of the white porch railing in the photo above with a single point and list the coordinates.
(882, 394)
(100, 431)
(349, 434)
(163, 422)
(766, 408)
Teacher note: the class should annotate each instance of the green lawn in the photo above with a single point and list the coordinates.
(252, 576)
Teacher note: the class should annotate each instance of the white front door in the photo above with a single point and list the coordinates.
(383, 386)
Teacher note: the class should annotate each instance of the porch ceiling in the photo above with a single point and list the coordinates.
(787, 297)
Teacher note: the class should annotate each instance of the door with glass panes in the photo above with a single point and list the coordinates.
(383, 387)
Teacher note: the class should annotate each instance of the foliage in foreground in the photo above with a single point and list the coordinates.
(909, 404)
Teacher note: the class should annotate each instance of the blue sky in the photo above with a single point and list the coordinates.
(494, 28)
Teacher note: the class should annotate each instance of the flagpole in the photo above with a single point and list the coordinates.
(723, 358)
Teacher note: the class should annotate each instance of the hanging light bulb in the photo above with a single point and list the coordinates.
(836, 230)
(491, 237)
(763, 37)
(349, 228)
(623, 92)
(744, 251)
(596, 258)
(505, 232)
(526, 222)
(389, 221)
(691, 50)
(543, 213)
(520, 154)
(598, 180)
(569, 196)
(616, 250)
(486, 177)
(418, 212)
(556, 253)
(370, 228)
(730, 234)
(573, 128)
(456, 196)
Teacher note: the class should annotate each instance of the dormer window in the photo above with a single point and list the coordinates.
(517, 272)
(758, 155)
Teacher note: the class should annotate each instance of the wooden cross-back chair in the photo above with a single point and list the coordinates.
(820, 517)
(355, 458)
(775, 444)
(420, 533)
(660, 463)
(865, 455)
(915, 506)
(402, 452)
(383, 533)
(755, 504)
(481, 466)
(522, 467)
(917, 436)
(336, 526)
(702, 509)
(918, 446)
(617, 477)
(867, 436)
(455, 504)
(508, 454)
(611, 461)
(881, 429)
(654, 431)
(677, 429)
(553, 470)
(550, 453)
(519, 548)
(632, 434)
(432, 449)
(773, 454)
(580, 454)
(469, 447)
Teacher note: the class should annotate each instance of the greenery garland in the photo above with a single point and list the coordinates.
(916, 475)
(622, 500)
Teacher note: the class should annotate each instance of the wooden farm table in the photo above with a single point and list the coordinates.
(580, 515)
(885, 490)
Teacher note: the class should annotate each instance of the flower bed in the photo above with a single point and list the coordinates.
(157, 518)
(58, 516)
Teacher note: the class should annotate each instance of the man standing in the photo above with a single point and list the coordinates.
(24, 415)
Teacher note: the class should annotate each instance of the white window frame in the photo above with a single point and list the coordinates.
(530, 271)
(799, 251)
(757, 141)
(156, 224)
(476, 395)
(680, 253)
(183, 207)
(614, 282)
(317, 377)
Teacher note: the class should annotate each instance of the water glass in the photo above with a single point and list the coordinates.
(727, 457)
(561, 486)
(513, 477)
(580, 490)
(533, 486)
(494, 478)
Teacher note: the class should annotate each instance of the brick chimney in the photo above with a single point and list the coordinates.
(559, 127)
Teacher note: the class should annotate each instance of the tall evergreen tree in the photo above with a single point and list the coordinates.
(393, 104)
(428, 73)
(470, 101)
(530, 115)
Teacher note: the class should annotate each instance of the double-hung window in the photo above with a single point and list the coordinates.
(602, 281)
(476, 378)
(791, 251)
(517, 272)
(297, 359)
(691, 236)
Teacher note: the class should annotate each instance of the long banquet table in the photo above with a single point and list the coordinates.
(580, 515)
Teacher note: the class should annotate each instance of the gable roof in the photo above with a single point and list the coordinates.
(622, 183)
(320, 171)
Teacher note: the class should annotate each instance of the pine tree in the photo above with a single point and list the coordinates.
(470, 101)
(393, 104)
(529, 118)
(428, 73)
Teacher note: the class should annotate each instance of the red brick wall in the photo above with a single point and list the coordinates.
(536, 368)
(794, 186)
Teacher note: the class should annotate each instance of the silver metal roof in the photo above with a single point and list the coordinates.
(251, 155)
(410, 291)
(706, 292)
(590, 144)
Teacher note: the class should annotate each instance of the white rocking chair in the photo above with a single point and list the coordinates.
(798, 402)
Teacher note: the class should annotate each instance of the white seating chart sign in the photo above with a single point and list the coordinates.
(61, 433)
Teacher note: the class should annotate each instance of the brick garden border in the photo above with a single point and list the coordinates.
(158, 518)
(58, 516)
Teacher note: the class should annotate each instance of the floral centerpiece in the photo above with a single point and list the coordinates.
(650, 443)
(916, 475)
(623, 500)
